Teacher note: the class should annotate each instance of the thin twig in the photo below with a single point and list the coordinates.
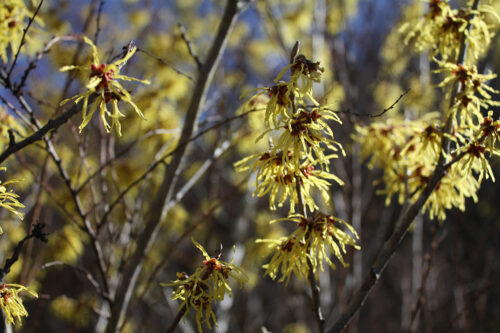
(32, 65)
(38, 233)
(23, 39)
(367, 115)
(477, 293)
(52, 124)
(87, 226)
(166, 63)
(33, 215)
(17, 112)
(98, 22)
(385, 110)
(104, 165)
(278, 35)
(428, 265)
(189, 45)
(70, 75)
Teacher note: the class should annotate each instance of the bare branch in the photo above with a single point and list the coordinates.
(38, 233)
(178, 71)
(32, 65)
(415, 309)
(52, 124)
(98, 22)
(373, 115)
(315, 289)
(189, 45)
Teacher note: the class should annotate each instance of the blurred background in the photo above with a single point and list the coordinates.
(444, 277)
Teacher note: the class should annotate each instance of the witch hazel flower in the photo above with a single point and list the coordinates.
(104, 83)
(206, 286)
(11, 303)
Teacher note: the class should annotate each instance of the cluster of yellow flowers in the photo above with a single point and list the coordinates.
(299, 153)
(277, 176)
(408, 150)
(296, 167)
(103, 82)
(443, 28)
(206, 285)
(474, 94)
(313, 240)
(8, 199)
(11, 303)
(13, 14)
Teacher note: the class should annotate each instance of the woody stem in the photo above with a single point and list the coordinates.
(316, 303)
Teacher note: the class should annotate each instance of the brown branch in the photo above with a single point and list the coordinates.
(134, 265)
(315, 289)
(52, 124)
(428, 266)
(189, 45)
(33, 64)
(368, 115)
(36, 233)
(70, 75)
(176, 320)
(98, 22)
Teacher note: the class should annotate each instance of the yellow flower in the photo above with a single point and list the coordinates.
(303, 73)
(486, 138)
(103, 81)
(8, 199)
(13, 14)
(11, 303)
(277, 176)
(475, 93)
(279, 105)
(407, 152)
(307, 134)
(452, 191)
(206, 285)
(489, 133)
(443, 28)
(314, 240)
